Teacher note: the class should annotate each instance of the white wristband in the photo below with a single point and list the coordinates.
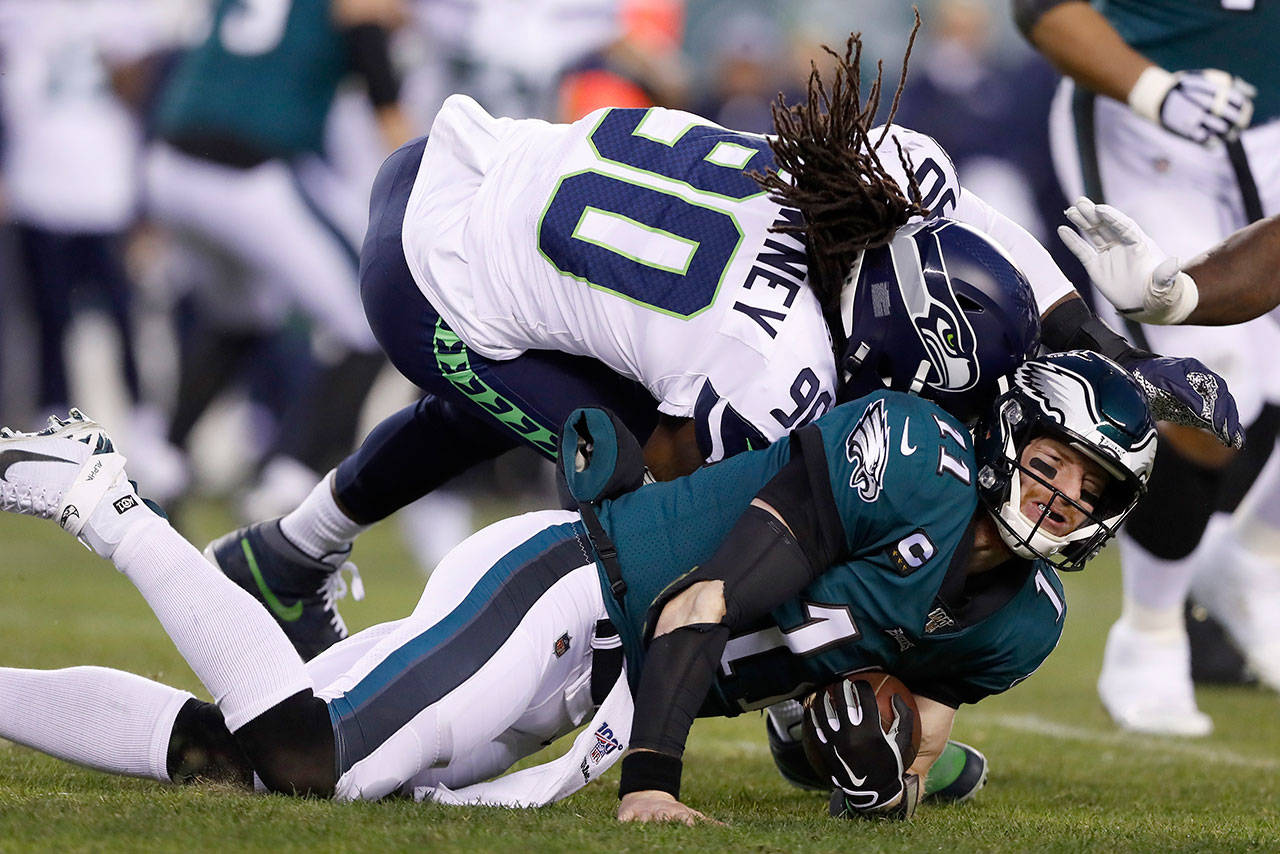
(1149, 91)
(1182, 299)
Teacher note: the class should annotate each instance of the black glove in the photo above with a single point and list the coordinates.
(839, 805)
(844, 732)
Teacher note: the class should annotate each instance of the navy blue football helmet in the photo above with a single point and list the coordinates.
(1089, 403)
(940, 311)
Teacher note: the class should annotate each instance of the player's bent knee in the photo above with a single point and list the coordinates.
(291, 746)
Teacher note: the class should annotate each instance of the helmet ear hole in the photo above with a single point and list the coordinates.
(969, 304)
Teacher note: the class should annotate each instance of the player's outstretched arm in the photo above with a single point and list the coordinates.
(1082, 44)
(1179, 389)
(1202, 104)
(1239, 279)
(1235, 281)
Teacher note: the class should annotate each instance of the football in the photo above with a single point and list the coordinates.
(886, 687)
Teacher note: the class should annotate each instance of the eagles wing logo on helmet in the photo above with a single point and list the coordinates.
(868, 449)
(944, 330)
(1058, 391)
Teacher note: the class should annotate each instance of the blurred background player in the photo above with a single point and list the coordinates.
(238, 174)
(1171, 116)
(71, 145)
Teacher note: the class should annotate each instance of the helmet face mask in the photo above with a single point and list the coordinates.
(1094, 413)
(940, 311)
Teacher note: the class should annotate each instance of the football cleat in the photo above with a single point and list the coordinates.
(782, 725)
(1145, 684)
(59, 473)
(300, 591)
(70, 472)
(956, 776)
(1242, 591)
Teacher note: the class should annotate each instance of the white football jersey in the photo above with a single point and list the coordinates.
(638, 238)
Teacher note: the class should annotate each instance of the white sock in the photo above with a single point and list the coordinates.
(318, 526)
(1154, 589)
(234, 646)
(106, 719)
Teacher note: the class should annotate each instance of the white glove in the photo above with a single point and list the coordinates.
(1200, 105)
(1127, 266)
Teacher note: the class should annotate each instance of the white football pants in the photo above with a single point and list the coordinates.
(494, 662)
(264, 220)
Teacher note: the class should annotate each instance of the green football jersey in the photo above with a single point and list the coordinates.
(1235, 35)
(901, 472)
(264, 77)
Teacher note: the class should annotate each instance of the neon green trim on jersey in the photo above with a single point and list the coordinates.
(454, 361)
(730, 155)
(681, 270)
(601, 287)
(671, 144)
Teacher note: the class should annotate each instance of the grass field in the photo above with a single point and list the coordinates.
(1062, 778)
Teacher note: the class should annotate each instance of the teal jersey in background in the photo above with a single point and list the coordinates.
(1238, 36)
(901, 471)
(264, 77)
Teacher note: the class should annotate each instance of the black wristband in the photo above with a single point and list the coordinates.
(1072, 326)
(370, 56)
(646, 770)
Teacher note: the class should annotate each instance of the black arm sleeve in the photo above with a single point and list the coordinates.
(1072, 326)
(761, 566)
(1027, 12)
(801, 493)
(370, 57)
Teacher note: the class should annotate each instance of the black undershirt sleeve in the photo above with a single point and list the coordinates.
(368, 51)
(1072, 326)
(801, 493)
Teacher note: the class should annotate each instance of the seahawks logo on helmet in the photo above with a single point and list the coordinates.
(867, 448)
(939, 321)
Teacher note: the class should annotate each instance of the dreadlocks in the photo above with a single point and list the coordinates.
(828, 169)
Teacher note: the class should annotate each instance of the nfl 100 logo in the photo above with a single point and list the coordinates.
(606, 742)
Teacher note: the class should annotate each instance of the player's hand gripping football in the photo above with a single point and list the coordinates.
(864, 761)
(1201, 105)
(1126, 265)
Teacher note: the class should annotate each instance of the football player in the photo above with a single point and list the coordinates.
(882, 535)
(517, 270)
(238, 174)
(1232, 282)
(1171, 112)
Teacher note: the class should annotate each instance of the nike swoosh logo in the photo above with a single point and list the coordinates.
(9, 458)
(906, 447)
(289, 614)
